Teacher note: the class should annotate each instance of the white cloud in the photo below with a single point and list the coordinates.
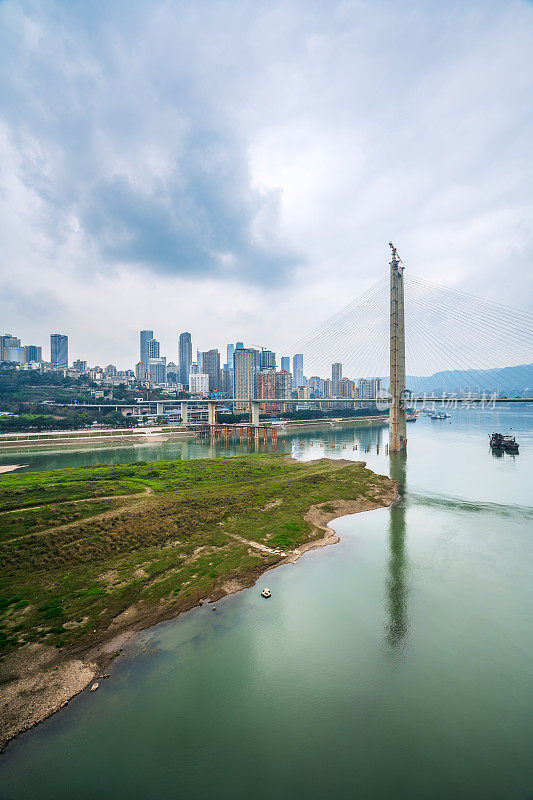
(237, 169)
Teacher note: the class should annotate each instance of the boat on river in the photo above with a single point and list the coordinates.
(499, 441)
(440, 415)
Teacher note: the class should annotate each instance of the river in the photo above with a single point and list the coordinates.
(395, 664)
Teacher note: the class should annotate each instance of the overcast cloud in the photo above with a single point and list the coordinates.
(236, 169)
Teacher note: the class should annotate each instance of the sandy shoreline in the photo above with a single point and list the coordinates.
(11, 467)
(37, 680)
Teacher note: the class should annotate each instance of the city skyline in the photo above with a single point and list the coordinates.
(147, 178)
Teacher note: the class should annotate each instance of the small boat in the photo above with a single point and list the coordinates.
(266, 593)
(498, 441)
(439, 415)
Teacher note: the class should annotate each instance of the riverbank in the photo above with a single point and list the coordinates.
(271, 517)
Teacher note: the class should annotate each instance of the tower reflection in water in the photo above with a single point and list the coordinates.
(397, 591)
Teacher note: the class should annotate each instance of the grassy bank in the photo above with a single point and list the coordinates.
(80, 546)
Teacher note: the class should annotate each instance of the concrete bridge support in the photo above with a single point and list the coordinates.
(397, 418)
(184, 411)
(255, 413)
(211, 413)
(159, 409)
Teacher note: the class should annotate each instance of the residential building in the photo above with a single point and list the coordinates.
(244, 369)
(346, 388)
(199, 360)
(144, 337)
(79, 366)
(211, 367)
(110, 371)
(336, 377)
(34, 353)
(285, 363)
(297, 370)
(316, 385)
(304, 393)
(266, 388)
(368, 387)
(153, 349)
(199, 383)
(156, 371)
(7, 340)
(59, 350)
(239, 346)
(268, 360)
(328, 388)
(282, 388)
(140, 371)
(227, 381)
(185, 357)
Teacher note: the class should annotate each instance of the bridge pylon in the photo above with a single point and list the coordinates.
(397, 426)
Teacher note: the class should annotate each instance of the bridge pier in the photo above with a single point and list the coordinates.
(397, 418)
(159, 409)
(211, 413)
(184, 411)
(255, 413)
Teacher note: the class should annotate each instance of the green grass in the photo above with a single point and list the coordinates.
(173, 536)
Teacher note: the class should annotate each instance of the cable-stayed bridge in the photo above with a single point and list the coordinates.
(426, 343)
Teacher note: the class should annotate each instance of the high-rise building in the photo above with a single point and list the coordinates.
(346, 388)
(268, 360)
(185, 357)
(282, 388)
(368, 387)
(230, 349)
(79, 365)
(34, 353)
(336, 376)
(285, 363)
(156, 371)
(59, 350)
(199, 360)
(227, 381)
(144, 337)
(244, 370)
(140, 371)
(297, 370)
(328, 388)
(153, 349)
(316, 385)
(199, 383)
(266, 388)
(239, 346)
(7, 340)
(211, 367)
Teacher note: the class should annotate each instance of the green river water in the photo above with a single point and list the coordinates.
(395, 664)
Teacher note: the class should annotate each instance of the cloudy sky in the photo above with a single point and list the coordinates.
(236, 169)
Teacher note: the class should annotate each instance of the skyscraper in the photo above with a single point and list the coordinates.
(239, 346)
(34, 353)
(268, 360)
(336, 376)
(59, 350)
(297, 370)
(211, 367)
(153, 348)
(185, 357)
(157, 369)
(285, 363)
(144, 337)
(244, 362)
(266, 387)
(230, 349)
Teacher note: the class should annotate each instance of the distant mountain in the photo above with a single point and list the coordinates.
(506, 380)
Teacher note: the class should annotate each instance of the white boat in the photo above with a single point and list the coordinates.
(266, 592)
